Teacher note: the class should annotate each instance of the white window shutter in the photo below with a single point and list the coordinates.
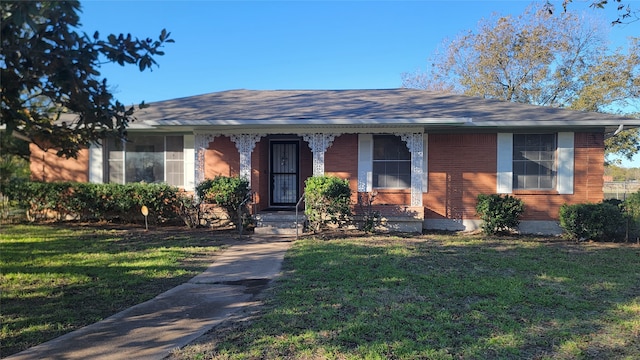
(189, 162)
(96, 164)
(504, 177)
(425, 163)
(565, 164)
(365, 162)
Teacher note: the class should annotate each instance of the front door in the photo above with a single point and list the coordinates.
(285, 174)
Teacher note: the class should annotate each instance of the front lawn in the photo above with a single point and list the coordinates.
(56, 279)
(442, 297)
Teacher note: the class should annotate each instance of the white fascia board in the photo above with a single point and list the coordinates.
(555, 123)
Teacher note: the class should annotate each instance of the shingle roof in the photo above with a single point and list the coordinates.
(332, 107)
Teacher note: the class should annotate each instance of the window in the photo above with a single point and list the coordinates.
(149, 159)
(534, 161)
(391, 162)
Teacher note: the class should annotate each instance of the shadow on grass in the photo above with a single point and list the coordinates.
(56, 279)
(439, 297)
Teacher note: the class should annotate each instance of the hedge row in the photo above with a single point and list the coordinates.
(94, 202)
(609, 220)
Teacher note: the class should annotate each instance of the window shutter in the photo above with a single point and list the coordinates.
(96, 164)
(365, 162)
(189, 162)
(504, 177)
(425, 163)
(565, 163)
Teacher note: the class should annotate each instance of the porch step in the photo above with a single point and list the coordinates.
(278, 223)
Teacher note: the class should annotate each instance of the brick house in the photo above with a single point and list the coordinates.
(426, 155)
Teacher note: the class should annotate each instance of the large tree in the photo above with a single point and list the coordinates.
(539, 58)
(626, 13)
(52, 91)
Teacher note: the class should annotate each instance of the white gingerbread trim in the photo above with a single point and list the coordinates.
(415, 144)
(318, 143)
(201, 143)
(245, 144)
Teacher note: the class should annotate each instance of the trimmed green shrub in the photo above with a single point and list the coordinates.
(599, 222)
(90, 202)
(631, 208)
(230, 193)
(499, 213)
(327, 201)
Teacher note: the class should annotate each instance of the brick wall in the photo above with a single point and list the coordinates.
(588, 181)
(463, 166)
(460, 166)
(341, 160)
(221, 158)
(46, 166)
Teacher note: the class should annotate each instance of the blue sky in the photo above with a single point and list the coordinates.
(288, 44)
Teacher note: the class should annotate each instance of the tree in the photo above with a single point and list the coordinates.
(626, 14)
(541, 59)
(52, 92)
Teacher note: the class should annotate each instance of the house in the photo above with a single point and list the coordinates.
(427, 155)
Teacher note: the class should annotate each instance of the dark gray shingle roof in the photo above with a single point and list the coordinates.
(261, 107)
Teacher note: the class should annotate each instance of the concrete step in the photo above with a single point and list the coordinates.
(278, 223)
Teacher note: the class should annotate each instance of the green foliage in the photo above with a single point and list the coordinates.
(499, 213)
(631, 208)
(12, 168)
(232, 193)
(52, 92)
(603, 221)
(90, 202)
(327, 201)
(541, 59)
(371, 218)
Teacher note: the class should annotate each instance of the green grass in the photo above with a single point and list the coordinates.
(56, 279)
(442, 297)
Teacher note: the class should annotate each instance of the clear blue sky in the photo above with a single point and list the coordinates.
(289, 44)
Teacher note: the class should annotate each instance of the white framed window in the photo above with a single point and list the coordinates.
(146, 158)
(535, 161)
(391, 163)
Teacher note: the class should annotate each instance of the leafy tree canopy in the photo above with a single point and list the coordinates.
(626, 13)
(542, 59)
(52, 92)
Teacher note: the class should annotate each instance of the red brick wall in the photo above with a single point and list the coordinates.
(306, 164)
(221, 158)
(460, 167)
(260, 174)
(341, 160)
(588, 181)
(46, 166)
(463, 166)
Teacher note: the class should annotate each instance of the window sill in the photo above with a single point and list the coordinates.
(535, 192)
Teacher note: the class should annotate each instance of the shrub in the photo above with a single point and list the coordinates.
(499, 213)
(327, 201)
(631, 208)
(86, 201)
(371, 218)
(599, 222)
(230, 193)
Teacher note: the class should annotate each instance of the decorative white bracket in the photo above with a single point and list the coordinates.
(202, 142)
(245, 144)
(415, 144)
(319, 143)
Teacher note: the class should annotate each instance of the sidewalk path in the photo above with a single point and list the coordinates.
(175, 318)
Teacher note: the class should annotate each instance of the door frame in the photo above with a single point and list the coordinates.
(272, 173)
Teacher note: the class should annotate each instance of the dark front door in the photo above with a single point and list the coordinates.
(285, 173)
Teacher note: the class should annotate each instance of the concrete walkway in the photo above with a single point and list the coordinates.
(175, 318)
